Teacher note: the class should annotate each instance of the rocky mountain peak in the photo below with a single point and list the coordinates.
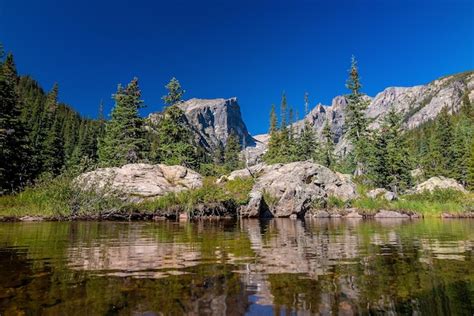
(418, 104)
(213, 120)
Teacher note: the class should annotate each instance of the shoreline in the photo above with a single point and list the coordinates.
(322, 214)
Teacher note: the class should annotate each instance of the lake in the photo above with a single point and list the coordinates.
(237, 267)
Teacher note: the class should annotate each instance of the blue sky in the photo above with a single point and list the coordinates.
(249, 49)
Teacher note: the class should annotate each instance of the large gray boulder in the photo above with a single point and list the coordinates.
(438, 183)
(281, 190)
(137, 182)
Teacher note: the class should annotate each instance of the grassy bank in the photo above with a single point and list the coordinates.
(428, 204)
(59, 198)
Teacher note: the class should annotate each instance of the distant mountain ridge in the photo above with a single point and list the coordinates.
(418, 104)
(213, 120)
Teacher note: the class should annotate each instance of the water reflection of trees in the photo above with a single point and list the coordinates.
(216, 268)
(355, 267)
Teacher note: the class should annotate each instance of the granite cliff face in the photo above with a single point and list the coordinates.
(213, 120)
(417, 104)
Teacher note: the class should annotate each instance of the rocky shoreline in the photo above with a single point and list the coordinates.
(220, 211)
(302, 189)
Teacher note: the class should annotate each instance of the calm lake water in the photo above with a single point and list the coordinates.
(274, 267)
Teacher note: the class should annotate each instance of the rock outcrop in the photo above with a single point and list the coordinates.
(213, 120)
(381, 192)
(282, 190)
(137, 182)
(438, 183)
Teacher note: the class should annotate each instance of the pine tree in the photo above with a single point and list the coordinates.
(274, 142)
(470, 169)
(231, 153)
(443, 146)
(175, 92)
(284, 146)
(460, 151)
(467, 108)
(328, 149)
(173, 142)
(357, 122)
(390, 166)
(219, 154)
(14, 145)
(124, 140)
(53, 152)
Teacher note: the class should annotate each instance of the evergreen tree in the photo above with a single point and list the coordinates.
(356, 120)
(232, 150)
(175, 92)
(14, 146)
(390, 166)
(124, 140)
(219, 154)
(53, 152)
(327, 158)
(470, 169)
(173, 142)
(441, 156)
(273, 150)
(467, 108)
(284, 146)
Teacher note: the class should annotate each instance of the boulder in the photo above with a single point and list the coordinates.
(381, 192)
(320, 214)
(281, 190)
(438, 183)
(390, 214)
(353, 214)
(137, 182)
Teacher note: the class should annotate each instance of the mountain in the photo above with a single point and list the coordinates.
(418, 104)
(213, 120)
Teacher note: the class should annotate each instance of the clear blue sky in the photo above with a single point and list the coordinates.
(250, 49)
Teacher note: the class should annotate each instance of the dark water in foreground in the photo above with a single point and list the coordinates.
(237, 267)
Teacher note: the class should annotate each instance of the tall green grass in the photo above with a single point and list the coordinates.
(59, 197)
(428, 204)
(234, 191)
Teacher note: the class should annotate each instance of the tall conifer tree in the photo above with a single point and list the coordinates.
(124, 140)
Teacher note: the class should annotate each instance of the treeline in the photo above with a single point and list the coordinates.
(128, 138)
(41, 138)
(445, 146)
(385, 157)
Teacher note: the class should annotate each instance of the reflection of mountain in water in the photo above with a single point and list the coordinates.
(325, 266)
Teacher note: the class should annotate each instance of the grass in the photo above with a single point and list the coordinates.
(428, 204)
(59, 197)
(234, 191)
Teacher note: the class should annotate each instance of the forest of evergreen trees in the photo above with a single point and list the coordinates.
(41, 138)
